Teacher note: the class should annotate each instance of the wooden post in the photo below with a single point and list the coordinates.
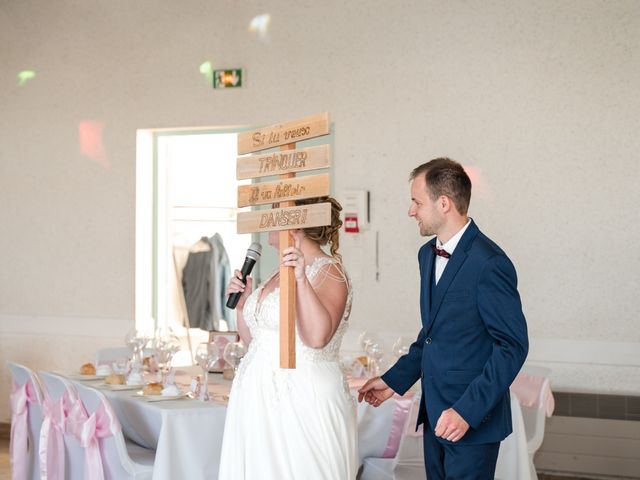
(287, 291)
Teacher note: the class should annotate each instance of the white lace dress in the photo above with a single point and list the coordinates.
(286, 424)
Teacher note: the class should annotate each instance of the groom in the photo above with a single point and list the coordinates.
(473, 339)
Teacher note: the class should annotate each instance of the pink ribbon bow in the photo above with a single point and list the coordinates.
(19, 447)
(534, 391)
(89, 430)
(52, 435)
(400, 412)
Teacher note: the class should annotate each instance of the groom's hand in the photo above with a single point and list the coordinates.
(374, 392)
(451, 426)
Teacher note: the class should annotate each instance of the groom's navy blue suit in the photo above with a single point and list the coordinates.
(472, 343)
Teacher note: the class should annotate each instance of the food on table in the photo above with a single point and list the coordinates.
(152, 389)
(114, 379)
(88, 369)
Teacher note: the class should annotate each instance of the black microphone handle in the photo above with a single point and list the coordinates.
(246, 270)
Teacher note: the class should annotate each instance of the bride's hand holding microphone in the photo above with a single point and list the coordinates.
(237, 286)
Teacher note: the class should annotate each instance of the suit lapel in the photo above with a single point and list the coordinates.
(456, 261)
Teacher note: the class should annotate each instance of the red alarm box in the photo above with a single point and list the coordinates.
(351, 223)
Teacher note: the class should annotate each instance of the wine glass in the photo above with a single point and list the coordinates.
(400, 347)
(233, 353)
(136, 341)
(376, 353)
(207, 354)
(366, 339)
(166, 347)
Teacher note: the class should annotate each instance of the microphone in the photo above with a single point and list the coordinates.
(253, 254)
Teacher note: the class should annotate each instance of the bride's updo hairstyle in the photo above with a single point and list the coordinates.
(327, 234)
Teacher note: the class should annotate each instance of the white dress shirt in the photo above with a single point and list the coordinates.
(449, 247)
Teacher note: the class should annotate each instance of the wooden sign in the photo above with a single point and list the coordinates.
(287, 218)
(296, 188)
(284, 161)
(284, 133)
(284, 192)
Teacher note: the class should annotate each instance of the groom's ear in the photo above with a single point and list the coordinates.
(444, 203)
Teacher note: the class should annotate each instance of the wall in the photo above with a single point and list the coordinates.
(538, 99)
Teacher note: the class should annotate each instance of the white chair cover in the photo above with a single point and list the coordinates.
(532, 387)
(106, 356)
(26, 421)
(118, 461)
(408, 463)
(61, 454)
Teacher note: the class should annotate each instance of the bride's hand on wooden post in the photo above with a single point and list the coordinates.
(236, 285)
(293, 257)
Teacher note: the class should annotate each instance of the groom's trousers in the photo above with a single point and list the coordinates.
(453, 461)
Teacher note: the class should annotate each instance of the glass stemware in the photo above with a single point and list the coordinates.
(136, 341)
(233, 353)
(165, 348)
(376, 353)
(207, 354)
(366, 339)
(400, 347)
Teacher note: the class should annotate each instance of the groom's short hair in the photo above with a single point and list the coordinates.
(446, 177)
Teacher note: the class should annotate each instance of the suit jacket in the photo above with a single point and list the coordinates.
(473, 340)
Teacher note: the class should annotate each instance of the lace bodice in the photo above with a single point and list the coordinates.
(263, 319)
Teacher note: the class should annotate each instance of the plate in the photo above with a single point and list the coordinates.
(111, 386)
(79, 376)
(159, 398)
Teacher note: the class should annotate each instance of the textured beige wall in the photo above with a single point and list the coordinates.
(541, 99)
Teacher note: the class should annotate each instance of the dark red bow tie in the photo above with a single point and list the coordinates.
(440, 251)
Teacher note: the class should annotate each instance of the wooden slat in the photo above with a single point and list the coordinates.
(578, 465)
(287, 161)
(288, 218)
(597, 427)
(611, 446)
(285, 190)
(284, 133)
(590, 447)
(287, 290)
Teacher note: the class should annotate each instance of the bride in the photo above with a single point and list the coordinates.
(293, 423)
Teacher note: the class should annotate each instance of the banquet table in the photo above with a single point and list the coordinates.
(187, 433)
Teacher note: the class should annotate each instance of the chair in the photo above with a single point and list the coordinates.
(26, 420)
(56, 388)
(408, 463)
(120, 460)
(106, 356)
(534, 409)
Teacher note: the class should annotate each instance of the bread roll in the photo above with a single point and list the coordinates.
(114, 379)
(152, 389)
(88, 369)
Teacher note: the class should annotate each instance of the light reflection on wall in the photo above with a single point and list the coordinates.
(24, 76)
(260, 25)
(91, 145)
(478, 183)
(206, 69)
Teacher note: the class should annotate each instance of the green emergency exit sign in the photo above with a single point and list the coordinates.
(227, 78)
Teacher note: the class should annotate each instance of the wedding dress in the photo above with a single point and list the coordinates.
(282, 424)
